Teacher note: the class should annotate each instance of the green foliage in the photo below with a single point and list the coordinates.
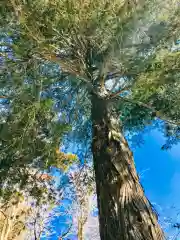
(159, 85)
(83, 33)
(133, 117)
(30, 132)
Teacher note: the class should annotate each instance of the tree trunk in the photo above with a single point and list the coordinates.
(124, 211)
(80, 229)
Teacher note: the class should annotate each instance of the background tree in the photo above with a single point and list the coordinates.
(18, 212)
(12, 218)
(130, 44)
(84, 202)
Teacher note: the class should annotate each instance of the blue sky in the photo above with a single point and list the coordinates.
(160, 175)
(162, 169)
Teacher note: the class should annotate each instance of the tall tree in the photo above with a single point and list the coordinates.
(121, 53)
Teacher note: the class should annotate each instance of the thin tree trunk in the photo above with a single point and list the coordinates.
(4, 229)
(124, 211)
(82, 219)
(80, 229)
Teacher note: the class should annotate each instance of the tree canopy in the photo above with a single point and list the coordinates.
(129, 42)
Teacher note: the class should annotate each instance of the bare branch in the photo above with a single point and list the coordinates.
(113, 95)
(138, 45)
(3, 214)
(66, 233)
(3, 97)
(118, 74)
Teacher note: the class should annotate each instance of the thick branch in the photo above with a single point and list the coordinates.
(3, 97)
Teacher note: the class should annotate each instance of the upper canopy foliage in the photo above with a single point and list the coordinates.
(80, 34)
(129, 42)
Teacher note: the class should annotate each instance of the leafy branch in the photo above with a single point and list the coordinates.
(151, 108)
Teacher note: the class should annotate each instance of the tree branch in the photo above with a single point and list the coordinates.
(67, 68)
(118, 74)
(152, 109)
(3, 97)
(3, 214)
(113, 95)
(66, 233)
(138, 45)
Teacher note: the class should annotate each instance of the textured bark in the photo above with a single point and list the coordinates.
(12, 221)
(124, 211)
